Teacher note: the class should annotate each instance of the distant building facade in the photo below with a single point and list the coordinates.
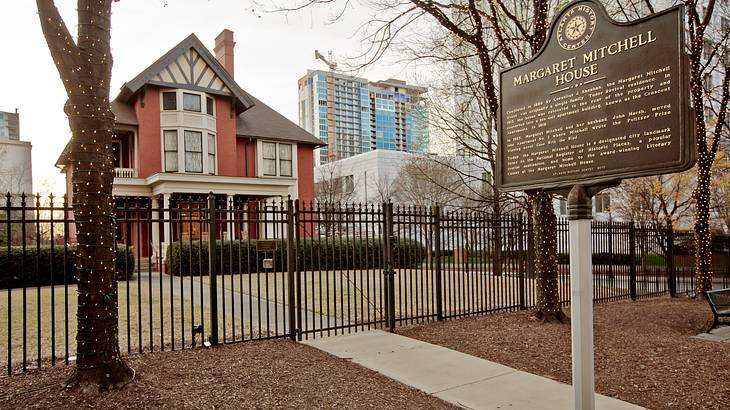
(16, 174)
(373, 177)
(352, 115)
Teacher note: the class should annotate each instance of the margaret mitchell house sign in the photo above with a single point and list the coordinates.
(601, 101)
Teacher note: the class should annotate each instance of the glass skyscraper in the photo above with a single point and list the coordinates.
(352, 115)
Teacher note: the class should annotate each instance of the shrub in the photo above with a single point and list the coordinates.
(242, 257)
(38, 271)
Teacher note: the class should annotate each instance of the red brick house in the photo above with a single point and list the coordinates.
(185, 128)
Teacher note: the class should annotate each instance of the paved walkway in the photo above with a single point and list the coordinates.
(455, 377)
(718, 334)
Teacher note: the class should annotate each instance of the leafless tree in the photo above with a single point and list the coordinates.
(331, 187)
(662, 200)
(423, 181)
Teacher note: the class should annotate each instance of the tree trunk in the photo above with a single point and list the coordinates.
(86, 71)
(547, 307)
(703, 248)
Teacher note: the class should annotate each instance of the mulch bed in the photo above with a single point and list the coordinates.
(643, 350)
(267, 374)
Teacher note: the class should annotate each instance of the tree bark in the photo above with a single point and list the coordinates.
(85, 69)
(547, 305)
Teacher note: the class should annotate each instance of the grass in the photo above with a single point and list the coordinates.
(158, 327)
(357, 295)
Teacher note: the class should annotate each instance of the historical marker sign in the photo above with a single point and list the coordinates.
(601, 101)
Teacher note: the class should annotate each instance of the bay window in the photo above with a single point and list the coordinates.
(211, 154)
(193, 151)
(209, 105)
(191, 102)
(169, 101)
(170, 143)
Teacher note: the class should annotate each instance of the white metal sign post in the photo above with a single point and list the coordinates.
(581, 297)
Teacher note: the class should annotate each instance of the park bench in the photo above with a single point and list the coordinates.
(719, 301)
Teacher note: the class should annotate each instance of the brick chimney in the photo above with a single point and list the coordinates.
(224, 50)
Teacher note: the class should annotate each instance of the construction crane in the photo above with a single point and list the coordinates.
(331, 64)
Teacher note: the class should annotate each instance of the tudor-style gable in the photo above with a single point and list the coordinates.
(192, 72)
(188, 65)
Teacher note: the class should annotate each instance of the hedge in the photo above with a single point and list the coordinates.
(312, 255)
(605, 258)
(11, 275)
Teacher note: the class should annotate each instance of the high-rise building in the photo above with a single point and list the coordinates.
(16, 174)
(9, 126)
(352, 115)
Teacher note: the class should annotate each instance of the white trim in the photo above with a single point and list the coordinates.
(162, 183)
(260, 160)
(181, 152)
(179, 101)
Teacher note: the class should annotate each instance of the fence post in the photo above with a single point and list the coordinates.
(521, 260)
(290, 257)
(389, 272)
(531, 247)
(671, 279)
(212, 269)
(632, 256)
(436, 211)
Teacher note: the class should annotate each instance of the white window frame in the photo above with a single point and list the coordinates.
(179, 100)
(260, 159)
(165, 151)
(214, 154)
(181, 152)
(203, 156)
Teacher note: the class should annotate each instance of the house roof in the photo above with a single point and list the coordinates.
(151, 75)
(124, 113)
(262, 121)
(63, 159)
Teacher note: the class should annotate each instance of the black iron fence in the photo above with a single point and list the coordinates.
(213, 269)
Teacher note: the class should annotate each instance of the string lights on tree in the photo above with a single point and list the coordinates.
(85, 69)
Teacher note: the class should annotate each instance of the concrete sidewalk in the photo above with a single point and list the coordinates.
(458, 378)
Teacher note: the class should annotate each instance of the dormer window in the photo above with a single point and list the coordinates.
(191, 102)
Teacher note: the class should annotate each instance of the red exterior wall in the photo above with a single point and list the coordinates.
(305, 172)
(240, 157)
(245, 157)
(226, 137)
(150, 145)
(251, 153)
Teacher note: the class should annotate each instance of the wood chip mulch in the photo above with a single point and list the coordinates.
(266, 374)
(643, 350)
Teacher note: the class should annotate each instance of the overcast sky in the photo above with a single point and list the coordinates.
(272, 52)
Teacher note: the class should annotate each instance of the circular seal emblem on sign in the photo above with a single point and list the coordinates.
(576, 27)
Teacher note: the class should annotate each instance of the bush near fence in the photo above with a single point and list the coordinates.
(605, 258)
(37, 269)
(316, 254)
